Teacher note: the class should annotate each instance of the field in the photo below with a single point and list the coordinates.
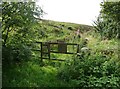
(97, 67)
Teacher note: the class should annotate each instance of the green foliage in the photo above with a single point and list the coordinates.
(18, 19)
(92, 71)
(96, 70)
(20, 29)
(30, 74)
(111, 9)
(108, 22)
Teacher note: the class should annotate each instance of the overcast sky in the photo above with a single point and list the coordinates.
(75, 11)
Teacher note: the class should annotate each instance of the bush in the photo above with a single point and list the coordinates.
(92, 71)
(108, 22)
(16, 54)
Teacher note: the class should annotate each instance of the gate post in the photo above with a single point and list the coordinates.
(49, 50)
(41, 52)
(78, 48)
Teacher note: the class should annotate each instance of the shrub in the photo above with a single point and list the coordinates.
(16, 54)
(70, 28)
(108, 22)
(92, 71)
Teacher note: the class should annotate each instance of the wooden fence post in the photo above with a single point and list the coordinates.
(49, 50)
(78, 48)
(41, 52)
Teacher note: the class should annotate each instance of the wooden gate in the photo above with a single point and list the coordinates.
(62, 48)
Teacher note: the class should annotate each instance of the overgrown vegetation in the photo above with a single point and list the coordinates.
(108, 22)
(18, 19)
(94, 70)
(96, 65)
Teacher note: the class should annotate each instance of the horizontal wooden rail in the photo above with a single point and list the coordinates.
(36, 50)
(44, 43)
(52, 52)
(62, 53)
(53, 59)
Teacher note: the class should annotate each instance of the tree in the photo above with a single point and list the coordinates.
(108, 23)
(18, 15)
(17, 21)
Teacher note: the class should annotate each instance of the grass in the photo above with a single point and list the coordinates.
(31, 74)
(53, 31)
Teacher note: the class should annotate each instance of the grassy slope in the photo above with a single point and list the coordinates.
(31, 74)
(59, 30)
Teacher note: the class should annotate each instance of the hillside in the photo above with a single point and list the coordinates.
(53, 30)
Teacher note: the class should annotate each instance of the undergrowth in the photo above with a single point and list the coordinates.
(99, 68)
(92, 71)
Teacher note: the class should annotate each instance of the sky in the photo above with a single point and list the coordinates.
(74, 11)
